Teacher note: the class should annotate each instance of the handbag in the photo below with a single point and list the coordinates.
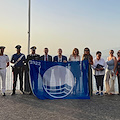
(99, 66)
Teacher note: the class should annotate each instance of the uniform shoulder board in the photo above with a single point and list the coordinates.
(6, 55)
(22, 53)
(37, 55)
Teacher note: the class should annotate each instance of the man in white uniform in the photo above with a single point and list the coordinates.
(4, 62)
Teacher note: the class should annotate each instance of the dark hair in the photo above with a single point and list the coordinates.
(45, 48)
(118, 53)
(98, 52)
(76, 50)
(112, 51)
(87, 49)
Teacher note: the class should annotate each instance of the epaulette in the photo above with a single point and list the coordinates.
(6, 55)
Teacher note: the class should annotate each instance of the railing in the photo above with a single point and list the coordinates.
(9, 81)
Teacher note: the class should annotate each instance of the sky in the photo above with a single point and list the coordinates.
(62, 24)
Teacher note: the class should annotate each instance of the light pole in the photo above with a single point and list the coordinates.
(29, 10)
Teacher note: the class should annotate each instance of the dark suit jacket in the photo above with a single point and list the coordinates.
(55, 59)
(49, 58)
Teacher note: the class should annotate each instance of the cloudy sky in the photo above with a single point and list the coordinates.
(62, 24)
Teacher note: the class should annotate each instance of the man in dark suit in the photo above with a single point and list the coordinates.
(60, 78)
(60, 57)
(46, 57)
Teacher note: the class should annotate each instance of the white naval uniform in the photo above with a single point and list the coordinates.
(3, 61)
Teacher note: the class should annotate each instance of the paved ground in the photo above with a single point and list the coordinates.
(28, 107)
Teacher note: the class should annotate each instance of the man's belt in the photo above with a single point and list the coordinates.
(18, 67)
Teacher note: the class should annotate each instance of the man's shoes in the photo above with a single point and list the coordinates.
(101, 94)
(21, 92)
(97, 93)
(30, 93)
(3, 94)
(106, 93)
(13, 93)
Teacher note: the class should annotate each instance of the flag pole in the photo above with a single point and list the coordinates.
(29, 26)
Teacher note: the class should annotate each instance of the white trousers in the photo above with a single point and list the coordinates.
(109, 81)
(3, 77)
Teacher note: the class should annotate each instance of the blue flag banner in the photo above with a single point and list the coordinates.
(57, 80)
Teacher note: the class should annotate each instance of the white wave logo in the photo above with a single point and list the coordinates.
(58, 81)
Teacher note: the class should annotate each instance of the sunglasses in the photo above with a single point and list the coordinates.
(86, 50)
(111, 52)
(98, 55)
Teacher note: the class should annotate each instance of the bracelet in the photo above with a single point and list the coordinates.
(112, 71)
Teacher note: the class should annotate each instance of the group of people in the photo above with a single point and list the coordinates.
(106, 70)
(110, 69)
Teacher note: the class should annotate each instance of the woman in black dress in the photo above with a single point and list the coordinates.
(88, 56)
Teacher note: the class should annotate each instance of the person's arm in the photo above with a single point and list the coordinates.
(24, 58)
(105, 65)
(70, 58)
(12, 59)
(91, 60)
(115, 63)
(82, 57)
(54, 59)
(65, 60)
(93, 66)
(79, 57)
(7, 64)
(7, 61)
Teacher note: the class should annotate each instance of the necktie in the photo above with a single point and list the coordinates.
(46, 57)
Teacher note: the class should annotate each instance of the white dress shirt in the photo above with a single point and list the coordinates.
(45, 57)
(59, 59)
(101, 62)
(3, 61)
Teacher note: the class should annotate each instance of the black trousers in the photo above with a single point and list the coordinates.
(27, 83)
(18, 71)
(99, 81)
(34, 83)
(118, 83)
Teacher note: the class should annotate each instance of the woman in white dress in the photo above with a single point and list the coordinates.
(75, 57)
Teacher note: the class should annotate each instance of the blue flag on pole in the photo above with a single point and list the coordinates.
(57, 80)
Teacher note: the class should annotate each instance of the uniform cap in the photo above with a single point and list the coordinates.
(33, 48)
(2, 47)
(18, 47)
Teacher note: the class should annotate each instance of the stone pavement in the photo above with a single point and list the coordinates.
(28, 107)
